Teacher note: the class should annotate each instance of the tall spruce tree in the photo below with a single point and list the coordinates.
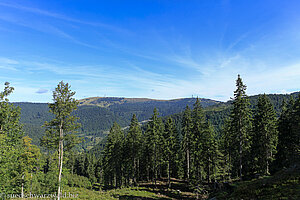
(171, 148)
(211, 154)
(59, 131)
(295, 146)
(113, 157)
(240, 127)
(289, 135)
(226, 149)
(133, 149)
(265, 135)
(154, 141)
(199, 129)
(187, 140)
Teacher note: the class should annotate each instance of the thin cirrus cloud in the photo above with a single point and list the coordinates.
(42, 12)
(41, 91)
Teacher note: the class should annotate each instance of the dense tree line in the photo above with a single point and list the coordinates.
(251, 141)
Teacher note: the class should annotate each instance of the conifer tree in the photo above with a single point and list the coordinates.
(295, 145)
(226, 149)
(154, 141)
(133, 149)
(113, 157)
(264, 135)
(211, 154)
(171, 147)
(240, 127)
(59, 131)
(289, 135)
(199, 128)
(187, 140)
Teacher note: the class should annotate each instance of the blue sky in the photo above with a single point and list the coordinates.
(160, 49)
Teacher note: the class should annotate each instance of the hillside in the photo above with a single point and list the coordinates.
(284, 184)
(97, 115)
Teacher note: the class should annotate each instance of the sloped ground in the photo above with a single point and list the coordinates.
(285, 184)
(145, 191)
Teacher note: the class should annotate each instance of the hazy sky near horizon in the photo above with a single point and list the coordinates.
(159, 49)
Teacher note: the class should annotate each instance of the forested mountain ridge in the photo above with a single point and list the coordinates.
(97, 114)
(110, 101)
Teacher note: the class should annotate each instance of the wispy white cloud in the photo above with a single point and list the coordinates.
(8, 61)
(8, 68)
(39, 11)
(41, 91)
(46, 28)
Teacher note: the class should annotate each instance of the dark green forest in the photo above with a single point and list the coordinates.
(213, 149)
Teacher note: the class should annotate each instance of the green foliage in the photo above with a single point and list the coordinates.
(240, 129)
(187, 141)
(113, 157)
(133, 150)
(10, 143)
(264, 136)
(74, 180)
(171, 149)
(61, 108)
(154, 144)
(289, 135)
(282, 185)
(59, 130)
(199, 140)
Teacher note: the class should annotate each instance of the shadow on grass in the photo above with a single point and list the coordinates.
(179, 190)
(131, 197)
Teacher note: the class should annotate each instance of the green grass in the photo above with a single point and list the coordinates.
(123, 193)
(285, 184)
(146, 191)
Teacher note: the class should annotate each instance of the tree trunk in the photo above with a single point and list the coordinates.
(240, 149)
(61, 149)
(22, 189)
(138, 170)
(169, 174)
(208, 171)
(155, 167)
(188, 164)
(134, 171)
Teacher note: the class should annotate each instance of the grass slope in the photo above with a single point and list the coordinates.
(285, 184)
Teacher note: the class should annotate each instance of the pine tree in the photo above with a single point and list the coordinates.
(113, 157)
(295, 145)
(265, 135)
(199, 128)
(240, 127)
(133, 149)
(59, 130)
(226, 149)
(289, 135)
(154, 141)
(171, 147)
(187, 140)
(211, 153)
